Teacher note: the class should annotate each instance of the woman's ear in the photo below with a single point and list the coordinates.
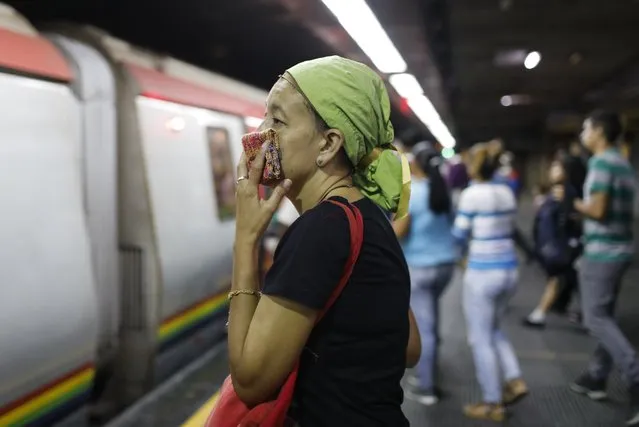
(330, 146)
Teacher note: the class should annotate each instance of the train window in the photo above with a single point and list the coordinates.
(222, 171)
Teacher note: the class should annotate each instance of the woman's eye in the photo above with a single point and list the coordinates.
(277, 121)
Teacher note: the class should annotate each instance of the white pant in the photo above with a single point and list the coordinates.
(486, 296)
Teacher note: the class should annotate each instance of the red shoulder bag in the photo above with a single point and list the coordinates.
(230, 411)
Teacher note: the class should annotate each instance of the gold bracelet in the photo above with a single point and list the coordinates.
(244, 292)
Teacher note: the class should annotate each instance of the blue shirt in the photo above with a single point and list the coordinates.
(430, 241)
(513, 184)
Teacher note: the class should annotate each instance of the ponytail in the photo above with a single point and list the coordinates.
(439, 198)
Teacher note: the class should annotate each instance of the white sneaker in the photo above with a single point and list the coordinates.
(413, 381)
(427, 399)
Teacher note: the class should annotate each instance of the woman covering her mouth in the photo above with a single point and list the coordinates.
(332, 118)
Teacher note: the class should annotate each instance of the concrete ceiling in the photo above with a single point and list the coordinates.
(251, 40)
(585, 44)
(589, 51)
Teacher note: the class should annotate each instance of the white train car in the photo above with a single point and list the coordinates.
(117, 177)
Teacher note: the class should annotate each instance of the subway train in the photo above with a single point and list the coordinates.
(117, 189)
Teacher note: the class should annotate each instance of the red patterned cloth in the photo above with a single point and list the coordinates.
(252, 143)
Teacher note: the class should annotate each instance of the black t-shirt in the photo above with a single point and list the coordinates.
(354, 360)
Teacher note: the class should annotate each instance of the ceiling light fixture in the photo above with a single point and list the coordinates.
(424, 110)
(532, 60)
(516, 99)
(575, 58)
(362, 25)
(406, 85)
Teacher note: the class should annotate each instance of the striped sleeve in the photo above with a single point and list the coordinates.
(600, 175)
(463, 220)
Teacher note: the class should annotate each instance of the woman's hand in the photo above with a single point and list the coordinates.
(252, 215)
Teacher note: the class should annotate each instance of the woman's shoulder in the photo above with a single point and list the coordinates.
(325, 222)
(470, 194)
(326, 212)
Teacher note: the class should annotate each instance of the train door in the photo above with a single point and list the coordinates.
(95, 89)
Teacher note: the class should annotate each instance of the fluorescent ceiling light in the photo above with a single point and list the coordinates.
(424, 110)
(406, 85)
(252, 122)
(515, 99)
(448, 153)
(409, 88)
(362, 25)
(532, 60)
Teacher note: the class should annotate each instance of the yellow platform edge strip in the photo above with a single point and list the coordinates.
(199, 418)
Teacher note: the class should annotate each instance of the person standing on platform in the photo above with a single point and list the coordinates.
(486, 217)
(431, 254)
(557, 237)
(607, 207)
(575, 169)
(504, 174)
(457, 176)
(332, 116)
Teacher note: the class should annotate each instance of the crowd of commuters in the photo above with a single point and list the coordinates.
(478, 225)
(582, 239)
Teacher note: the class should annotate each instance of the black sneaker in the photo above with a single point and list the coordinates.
(439, 393)
(575, 317)
(633, 410)
(586, 385)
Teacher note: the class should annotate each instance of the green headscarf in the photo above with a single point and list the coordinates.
(351, 97)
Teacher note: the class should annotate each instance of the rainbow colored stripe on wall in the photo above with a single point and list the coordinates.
(51, 401)
(191, 318)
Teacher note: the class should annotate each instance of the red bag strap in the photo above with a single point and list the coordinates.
(356, 225)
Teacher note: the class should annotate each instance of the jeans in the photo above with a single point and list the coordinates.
(486, 296)
(427, 286)
(600, 285)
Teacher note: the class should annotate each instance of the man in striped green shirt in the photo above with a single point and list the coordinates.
(607, 208)
(609, 238)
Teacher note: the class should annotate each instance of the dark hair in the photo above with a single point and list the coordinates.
(543, 188)
(488, 167)
(438, 199)
(575, 171)
(609, 122)
(628, 137)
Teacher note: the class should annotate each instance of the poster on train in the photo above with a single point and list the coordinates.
(223, 176)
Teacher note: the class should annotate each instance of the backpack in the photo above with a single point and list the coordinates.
(551, 241)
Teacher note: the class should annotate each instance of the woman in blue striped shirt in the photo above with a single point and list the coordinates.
(485, 220)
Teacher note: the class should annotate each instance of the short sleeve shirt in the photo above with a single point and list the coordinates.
(354, 360)
(610, 239)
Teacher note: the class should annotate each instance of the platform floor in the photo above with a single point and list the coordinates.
(550, 358)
